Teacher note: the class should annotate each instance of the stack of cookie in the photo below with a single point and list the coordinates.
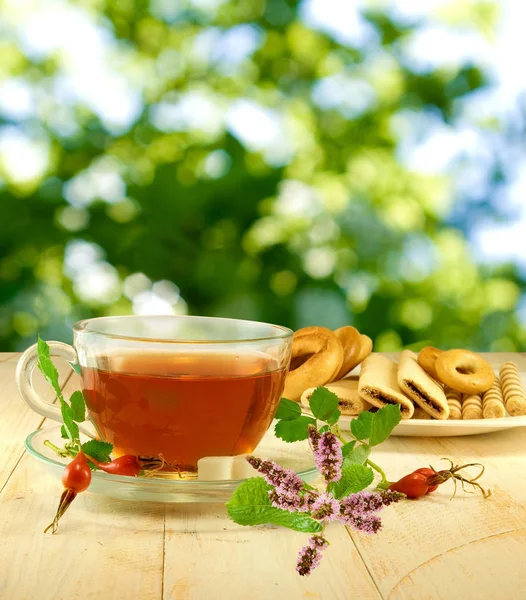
(513, 392)
(435, 384)
(383, 381)
(455, 384)
(472, 389)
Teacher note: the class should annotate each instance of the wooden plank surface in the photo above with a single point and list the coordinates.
(439, 545)
(105, 548)
(436, 547)
(420, 535)
(208, 556)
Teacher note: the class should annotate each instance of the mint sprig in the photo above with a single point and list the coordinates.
(73, 412)
(282, 498)
(367, 430)
(50, 373)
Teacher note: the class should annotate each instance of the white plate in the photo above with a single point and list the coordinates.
(450, 428)
(425, 428)
(295, 456)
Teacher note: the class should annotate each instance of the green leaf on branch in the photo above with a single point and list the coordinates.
(324, 405)
(71, 428)
(347, 448)
(357, 456)
(47, 368)
(294, 431)
(250, 505)
(361, 426)
(383, 423)
(63, 433)
(355, 478)
(98, 450)
(78, 406)
(288, 410)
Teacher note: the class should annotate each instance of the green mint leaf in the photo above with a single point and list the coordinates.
(357, 456)
(78, 406)
(98, 450)
(288, 410)
(294, 431)
(355, 478)
(324, 405)
(71, 428)
(47, 367)
(334, 418)
(324, 429)
(250, 505)
(63, 433)
(361, 426)
(383, 423)
(347, 448)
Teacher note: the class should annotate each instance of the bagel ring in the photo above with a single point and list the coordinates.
(427, 358)
(351, 341)
(465, 371)
(324, 354)
(367, 348)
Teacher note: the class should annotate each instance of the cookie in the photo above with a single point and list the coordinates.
(493, 402)
(420, 413)
(454, 401)
(472, 406)
(378, 384)
(512, 389)
(349, 400)
(421, 387)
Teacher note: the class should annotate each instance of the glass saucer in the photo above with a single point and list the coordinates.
(295, 456)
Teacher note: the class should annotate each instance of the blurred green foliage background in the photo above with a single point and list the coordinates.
(319, 162)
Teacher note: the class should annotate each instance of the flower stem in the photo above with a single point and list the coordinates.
(379, 470)
(384, 484)
(338, 433)
(60, 451)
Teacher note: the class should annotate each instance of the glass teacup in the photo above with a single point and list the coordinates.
(180, 388)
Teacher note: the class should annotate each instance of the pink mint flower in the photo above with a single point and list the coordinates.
(357, 510)
(290, 501)
(284, 480)
(367, 523)
(310, 555)
(327, 450)
(368, 501)
(325, 508)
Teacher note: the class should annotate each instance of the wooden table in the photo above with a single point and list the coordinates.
(436, 547)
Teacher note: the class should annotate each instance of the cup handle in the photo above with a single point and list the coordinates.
(24, 376)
